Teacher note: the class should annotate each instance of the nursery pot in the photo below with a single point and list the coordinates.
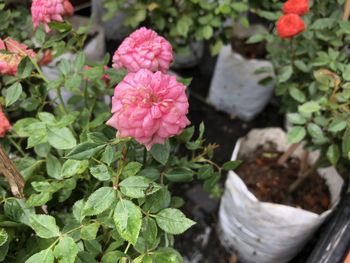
(267, 232)
(236, 87)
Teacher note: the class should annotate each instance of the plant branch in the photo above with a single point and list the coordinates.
(292, 148)
(9, 170)
(303, 175)
(346, 13)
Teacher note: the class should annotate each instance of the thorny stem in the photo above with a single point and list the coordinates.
(292, 148)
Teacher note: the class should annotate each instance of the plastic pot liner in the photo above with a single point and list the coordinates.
(262, 232)
(235, 87)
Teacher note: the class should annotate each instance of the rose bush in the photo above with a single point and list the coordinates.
(90, 196)
(312, 72)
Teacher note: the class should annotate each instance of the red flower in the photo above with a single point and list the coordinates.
(298, 7)
(290, 25)
(4, 124)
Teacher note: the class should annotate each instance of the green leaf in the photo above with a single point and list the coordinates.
(157, 201)
(66, 250)
(25, 68)
(101, 172)
(131, 169)
(296, 134)
(38, 199)
(207, 32)
(44, 226)
(148, 239)
(61, 138)
(138, 187)
(231, 165)
(301, 66)
(84, 151)
(297, 94)
(205, 172)
(3, 236)
(78, 210)
(89, 232)
(285, 74)
(168, 255)
(333, 154)
(53, 167)
(44, 256)
(296, 118)
(13, 93)
(179, 175)
(173, 221)
(108, 155)
(25, 127)
(315, 131)
(161, 152)
(112, 257)
(128, 218)
(73, 167)
(337, 125)
(309, 107)
(346, 143)
(99, 201)
(17, 211)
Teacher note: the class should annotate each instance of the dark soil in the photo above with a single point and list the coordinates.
(270, 182)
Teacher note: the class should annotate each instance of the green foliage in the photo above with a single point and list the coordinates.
(312, 78)
(90, 196)
(182, 22)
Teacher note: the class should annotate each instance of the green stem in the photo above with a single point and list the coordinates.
(127, 248)
(144, 156)
(19, 149)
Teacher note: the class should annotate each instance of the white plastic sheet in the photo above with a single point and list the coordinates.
(235, 87)
(262, 232)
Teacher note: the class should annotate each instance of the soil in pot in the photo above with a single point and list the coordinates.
(270, 182)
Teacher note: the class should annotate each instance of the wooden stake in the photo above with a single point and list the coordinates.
(14, 178)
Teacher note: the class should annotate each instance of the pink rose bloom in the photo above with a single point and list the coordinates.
(16, 51)
(4, 124)
(144, 49)
(149, 107)
(45, 11)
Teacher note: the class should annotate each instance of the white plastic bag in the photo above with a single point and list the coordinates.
(262, 232)
(235, 87)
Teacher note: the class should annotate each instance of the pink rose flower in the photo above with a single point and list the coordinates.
(149, 107)
(15, 52)
(4, 124)
(45, 11)
(144, 49)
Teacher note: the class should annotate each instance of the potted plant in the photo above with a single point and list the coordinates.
(72, 190)
(314, 97)
(185, 23)
(244, 80)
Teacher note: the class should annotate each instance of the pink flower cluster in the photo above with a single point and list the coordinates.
(10, 59)
(4, 124)
(144, 49)
(45, 11)
(148, 104)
